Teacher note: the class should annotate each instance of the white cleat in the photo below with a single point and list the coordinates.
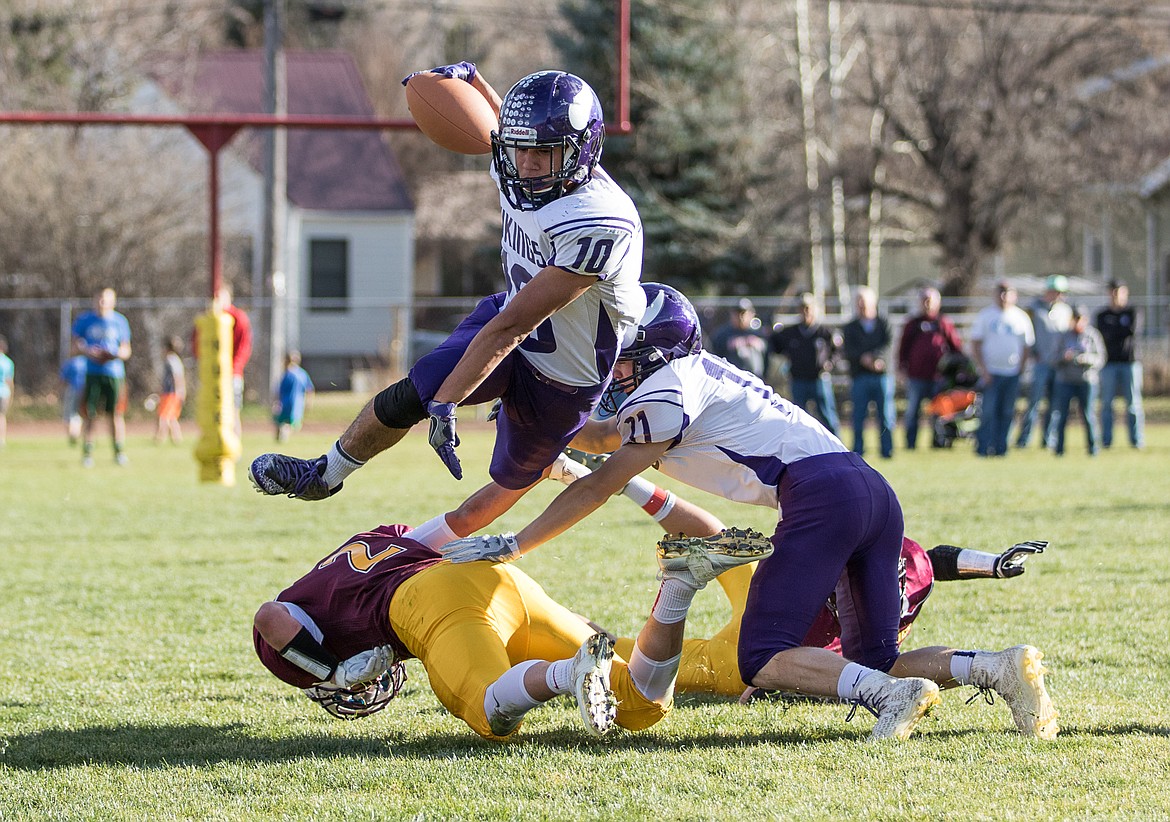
(1017, 675)
(898, 704)
(707, 557)
(591, 688)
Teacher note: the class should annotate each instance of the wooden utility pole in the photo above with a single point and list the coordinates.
(811, 154)
(275, 190)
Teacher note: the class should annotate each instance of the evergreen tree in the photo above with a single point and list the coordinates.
(693, 167)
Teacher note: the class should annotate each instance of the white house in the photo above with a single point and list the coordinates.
(349, 257)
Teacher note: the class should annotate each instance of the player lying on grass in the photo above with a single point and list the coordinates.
(709, 665)
(704, 422)
(493, 643)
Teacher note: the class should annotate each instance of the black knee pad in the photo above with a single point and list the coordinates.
(399, 406)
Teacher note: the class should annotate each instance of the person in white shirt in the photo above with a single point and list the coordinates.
(1001, 338)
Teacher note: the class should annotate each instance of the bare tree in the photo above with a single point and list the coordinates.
(80, 211)
(986, 112)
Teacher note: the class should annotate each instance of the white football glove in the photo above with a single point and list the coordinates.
(565, 471)
(364, 667)
(495, 547)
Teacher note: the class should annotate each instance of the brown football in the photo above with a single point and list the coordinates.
(451, 112)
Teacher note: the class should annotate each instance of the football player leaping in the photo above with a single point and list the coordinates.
(706, 423)
(572, 257)
(493, 643)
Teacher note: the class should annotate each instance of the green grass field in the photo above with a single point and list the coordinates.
(129, 689)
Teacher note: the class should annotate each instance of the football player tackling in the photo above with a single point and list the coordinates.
(572, 258)
(710, 664)
(493, 643)
(710, 425)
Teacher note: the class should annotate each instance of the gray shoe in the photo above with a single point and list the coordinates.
(275, 474)
(503, 724)
(898, 704)
(705, 558)
(1017, 675)
(591, 689)
(590, 461)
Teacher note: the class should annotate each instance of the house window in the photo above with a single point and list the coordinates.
(1097, 256)
(328, 275)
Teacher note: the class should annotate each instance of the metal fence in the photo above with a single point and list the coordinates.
(38, 332)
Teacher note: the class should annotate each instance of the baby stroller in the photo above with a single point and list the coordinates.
(954, 410)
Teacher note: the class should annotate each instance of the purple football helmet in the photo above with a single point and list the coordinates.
(669, 328)
(360, 700)
(547, 110)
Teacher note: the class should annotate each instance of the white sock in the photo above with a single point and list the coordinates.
(653, 679)
(339, 465)
(961, 666)
(559, 676)
(434, 533)
(849, 683)
(508, 695)
(674, 600)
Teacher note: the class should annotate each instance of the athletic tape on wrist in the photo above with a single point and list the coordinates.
(309, 655)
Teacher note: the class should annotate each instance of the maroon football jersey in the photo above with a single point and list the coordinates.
(348, 595)
(917, 579)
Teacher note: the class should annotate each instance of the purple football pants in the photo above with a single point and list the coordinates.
(841, 530)
(539, 416)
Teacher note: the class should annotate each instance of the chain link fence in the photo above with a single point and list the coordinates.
(38, 332)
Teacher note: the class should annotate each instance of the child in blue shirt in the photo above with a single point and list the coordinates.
(292, 395)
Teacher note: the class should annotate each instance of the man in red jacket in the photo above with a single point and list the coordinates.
(926, 338)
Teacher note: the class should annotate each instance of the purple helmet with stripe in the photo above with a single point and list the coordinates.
(669, 329)
(547, 110)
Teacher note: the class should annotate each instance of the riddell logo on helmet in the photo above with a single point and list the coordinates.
(519, 133)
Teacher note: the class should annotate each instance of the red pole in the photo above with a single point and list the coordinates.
(624, 126)
(213, 138)
(214, 250)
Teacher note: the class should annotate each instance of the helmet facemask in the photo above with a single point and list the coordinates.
(645, 360)
(360, 700)
(530, 193)
(669, 329)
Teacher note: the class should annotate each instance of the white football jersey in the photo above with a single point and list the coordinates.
(594, 231)
(732, 434)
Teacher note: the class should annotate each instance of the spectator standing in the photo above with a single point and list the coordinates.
(1001, 338)
(241, 348)
(812, 350)
(1051, 316)
(103, 336)
(73, 390)
(173, 394)
(7, 387)
(1122, 373)
(292, 395)
(926, 338)
(1080, 353)
(741, 341)
(867, 348)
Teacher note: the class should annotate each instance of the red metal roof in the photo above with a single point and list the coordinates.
(329, 170)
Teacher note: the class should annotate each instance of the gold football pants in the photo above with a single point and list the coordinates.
(469, 623)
